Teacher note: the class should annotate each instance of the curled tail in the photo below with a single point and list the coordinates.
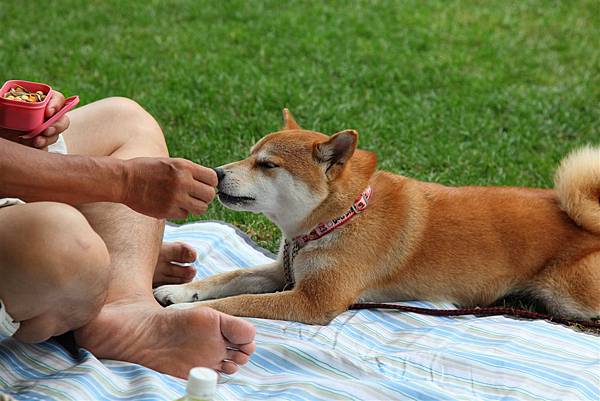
(577, 183)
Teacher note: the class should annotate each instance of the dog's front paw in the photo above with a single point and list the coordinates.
(174, 294)
(186, 305)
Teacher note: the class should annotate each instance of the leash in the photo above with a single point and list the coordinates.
(487, 311)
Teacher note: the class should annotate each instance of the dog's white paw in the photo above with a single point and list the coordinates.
(185, 305)
(174, 294)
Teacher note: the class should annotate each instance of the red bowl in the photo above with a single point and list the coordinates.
(23, 116)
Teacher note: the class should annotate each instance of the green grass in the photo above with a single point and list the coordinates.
(456, 92)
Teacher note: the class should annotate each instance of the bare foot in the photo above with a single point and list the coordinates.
(168, 340)
(168, 273)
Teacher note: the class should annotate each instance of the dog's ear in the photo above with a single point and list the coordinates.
(288, 121)
(336, 151)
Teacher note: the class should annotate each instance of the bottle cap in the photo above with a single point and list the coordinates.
(202, 382)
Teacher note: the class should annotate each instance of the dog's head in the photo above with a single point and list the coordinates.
(291, 172)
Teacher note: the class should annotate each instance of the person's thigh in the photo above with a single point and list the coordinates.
(53, 268)
(116, 127)
(120, 128)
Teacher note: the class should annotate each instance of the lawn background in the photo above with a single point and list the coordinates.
(456, 92)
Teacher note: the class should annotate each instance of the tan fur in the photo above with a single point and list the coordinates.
(577, 183)
(288, 121)
(416, 240)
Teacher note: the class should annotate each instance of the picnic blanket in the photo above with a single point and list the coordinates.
(361, 355)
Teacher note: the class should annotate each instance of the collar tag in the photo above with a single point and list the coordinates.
(362, 202)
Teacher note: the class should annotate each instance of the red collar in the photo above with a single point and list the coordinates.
(290, 251)
(323, 229)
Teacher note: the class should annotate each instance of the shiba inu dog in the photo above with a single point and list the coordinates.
(355, 234)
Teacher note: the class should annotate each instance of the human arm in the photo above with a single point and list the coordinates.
(158, 187)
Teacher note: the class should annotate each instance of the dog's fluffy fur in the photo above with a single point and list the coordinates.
(416, 240)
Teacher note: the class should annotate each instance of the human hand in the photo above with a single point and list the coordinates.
(168, 188)
(50, 135)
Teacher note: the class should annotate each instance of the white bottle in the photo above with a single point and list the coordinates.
(201, 385)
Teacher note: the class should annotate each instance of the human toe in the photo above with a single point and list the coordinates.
(237, 331)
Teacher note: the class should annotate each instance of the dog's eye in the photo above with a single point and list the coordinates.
(265, 164)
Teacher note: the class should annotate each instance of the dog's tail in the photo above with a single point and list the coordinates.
(577, 183)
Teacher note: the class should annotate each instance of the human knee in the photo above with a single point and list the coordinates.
(65, 264)
(46, 231)
(73, 252)
(81, 269)
(140, 124)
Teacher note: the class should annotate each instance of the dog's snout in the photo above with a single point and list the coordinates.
(220, 173)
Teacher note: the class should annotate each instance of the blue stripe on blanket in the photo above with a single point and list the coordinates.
(361, 355)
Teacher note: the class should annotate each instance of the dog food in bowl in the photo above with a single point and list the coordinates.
(21, 94)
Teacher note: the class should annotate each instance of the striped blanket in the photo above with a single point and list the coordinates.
(361, 355)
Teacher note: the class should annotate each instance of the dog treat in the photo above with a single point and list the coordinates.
(21, 94)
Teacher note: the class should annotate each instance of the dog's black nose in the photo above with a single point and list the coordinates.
(220, 173)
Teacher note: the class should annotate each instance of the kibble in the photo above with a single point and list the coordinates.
(21, 94)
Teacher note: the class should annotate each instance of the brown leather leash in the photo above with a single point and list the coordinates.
(486, 311)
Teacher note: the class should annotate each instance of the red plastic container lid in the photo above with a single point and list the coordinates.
(70, 103)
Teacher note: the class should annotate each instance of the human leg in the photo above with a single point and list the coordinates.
(132, 326)
(54, 269)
